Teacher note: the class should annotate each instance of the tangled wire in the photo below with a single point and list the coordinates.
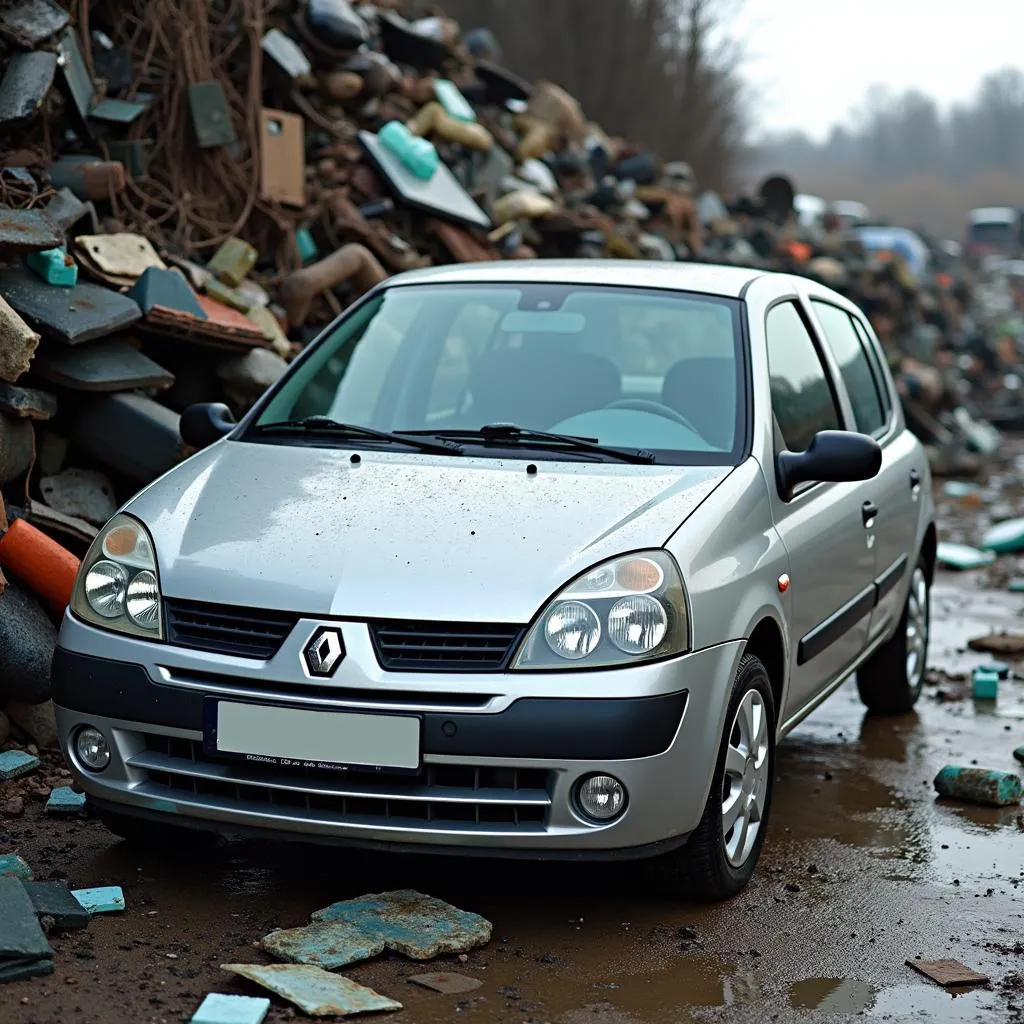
(192, 199)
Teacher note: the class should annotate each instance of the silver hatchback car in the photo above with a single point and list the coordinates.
(529, 559)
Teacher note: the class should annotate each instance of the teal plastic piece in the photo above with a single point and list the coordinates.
(449, 96)
(1016, 585)
(53, 266)
(959, 489)
(106, 900)
(1001, 670)
(15, 763)
(978, 786)
(1005, 537)
(12, 864)
(418, 156)
(64, 800)
(960, 556)
(986, 684)
(308, 250)
(218, 1009)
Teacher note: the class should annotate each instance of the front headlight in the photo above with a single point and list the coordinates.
(117, 585)
(627, 610)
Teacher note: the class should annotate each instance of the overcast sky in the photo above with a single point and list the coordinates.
(811, 61)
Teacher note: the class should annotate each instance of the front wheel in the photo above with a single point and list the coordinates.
(890, 681)
(720, 856)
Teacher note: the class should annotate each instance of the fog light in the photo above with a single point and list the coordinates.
(91, 749)
(601, 797)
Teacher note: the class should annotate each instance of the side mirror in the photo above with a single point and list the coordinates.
(835, 456)
(204, 423)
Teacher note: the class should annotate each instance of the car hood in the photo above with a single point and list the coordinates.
(307, 530)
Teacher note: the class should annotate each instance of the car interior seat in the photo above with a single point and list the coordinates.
(704, 391)
(540, 384)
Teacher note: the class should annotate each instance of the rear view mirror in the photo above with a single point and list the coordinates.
(204, 423)
(833, 456)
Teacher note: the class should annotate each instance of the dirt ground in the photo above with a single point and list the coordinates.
(862, 870)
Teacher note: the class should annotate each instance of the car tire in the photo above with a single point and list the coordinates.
(716, 863)
(890, 681)
(144, 832)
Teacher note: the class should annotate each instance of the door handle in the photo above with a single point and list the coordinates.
(869, 513)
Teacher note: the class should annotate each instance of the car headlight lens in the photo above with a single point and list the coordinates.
(117, 585)
(629, 609)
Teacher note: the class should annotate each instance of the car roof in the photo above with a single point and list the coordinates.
(703, 278)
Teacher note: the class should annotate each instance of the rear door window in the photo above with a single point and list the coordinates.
(854, 367)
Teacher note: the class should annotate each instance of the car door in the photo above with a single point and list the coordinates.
(827, 528)
(903, 474)
(897, 488)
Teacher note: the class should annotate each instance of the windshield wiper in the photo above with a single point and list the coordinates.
(509, 433)
(326, 426)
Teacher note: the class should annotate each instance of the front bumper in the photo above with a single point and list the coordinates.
(501, 752)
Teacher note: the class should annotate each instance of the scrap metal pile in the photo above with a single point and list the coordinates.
(191, 189)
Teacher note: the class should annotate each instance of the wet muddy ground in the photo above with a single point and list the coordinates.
(862, 870)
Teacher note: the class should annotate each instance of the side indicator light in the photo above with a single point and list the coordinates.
(784, 583)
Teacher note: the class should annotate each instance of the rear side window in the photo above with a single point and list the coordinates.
(854, 367)
(877, 364)
(802, 399)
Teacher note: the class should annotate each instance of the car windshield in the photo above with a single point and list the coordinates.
(634, 369)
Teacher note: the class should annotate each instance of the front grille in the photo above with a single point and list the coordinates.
(444, 646)
(448, 796)
(225, 629)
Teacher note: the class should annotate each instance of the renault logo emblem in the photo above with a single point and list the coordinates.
(324, 652)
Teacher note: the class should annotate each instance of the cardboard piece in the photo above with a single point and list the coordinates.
(446, 983)
(119, 259)
(948, 972)
(282, 157)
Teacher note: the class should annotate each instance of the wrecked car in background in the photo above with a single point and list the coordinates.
(527, 559)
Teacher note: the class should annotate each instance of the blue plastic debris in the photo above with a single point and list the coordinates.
(1005, 537)
(985, 683)
(15, 763)
(12, 864)
(978, 785)
(64, 800)
(307, 247)
(960, 556)
(105, 900)
(959, 489)
(416, 155)
(55, 267)
(218, 1009)
(454, 103)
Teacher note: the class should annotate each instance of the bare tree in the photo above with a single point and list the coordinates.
(663, 73)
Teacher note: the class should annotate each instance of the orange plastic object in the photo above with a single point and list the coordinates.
(46, 568)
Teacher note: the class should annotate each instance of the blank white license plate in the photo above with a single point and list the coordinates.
(318, 739)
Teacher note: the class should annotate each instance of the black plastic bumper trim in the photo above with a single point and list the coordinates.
(542, 853)
(545, 728)
(891, 577)
(835, 626)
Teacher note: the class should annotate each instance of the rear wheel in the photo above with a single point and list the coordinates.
(890, 682)
(720, 857)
